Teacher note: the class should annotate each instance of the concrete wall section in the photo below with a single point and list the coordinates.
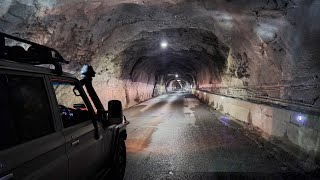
(289, 126)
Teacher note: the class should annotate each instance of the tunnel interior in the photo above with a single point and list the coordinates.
(190, 54)
(244, 48)
(254, 60)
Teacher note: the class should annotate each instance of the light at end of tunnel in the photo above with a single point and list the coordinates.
(177, 75)
(164, 44)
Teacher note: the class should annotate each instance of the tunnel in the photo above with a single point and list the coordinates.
(248, 65)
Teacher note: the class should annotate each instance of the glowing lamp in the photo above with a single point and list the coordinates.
(300, 118)
(164, 44)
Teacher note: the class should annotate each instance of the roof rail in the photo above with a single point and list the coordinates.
(36, 54)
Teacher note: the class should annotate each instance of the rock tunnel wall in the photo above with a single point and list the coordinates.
(294, 131)
(247, 48)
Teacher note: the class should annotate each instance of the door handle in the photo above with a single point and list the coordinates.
(7, 177)
(76, 142)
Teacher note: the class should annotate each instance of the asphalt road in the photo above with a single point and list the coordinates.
(175, 136)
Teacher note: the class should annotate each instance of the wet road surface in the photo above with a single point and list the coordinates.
(175, 136)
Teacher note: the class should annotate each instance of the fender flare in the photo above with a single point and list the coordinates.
(119, 132)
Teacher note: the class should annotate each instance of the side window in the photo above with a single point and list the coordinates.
(24, 108)
(73, 109)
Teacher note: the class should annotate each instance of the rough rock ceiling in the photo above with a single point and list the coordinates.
(189, 51)
(257, 44)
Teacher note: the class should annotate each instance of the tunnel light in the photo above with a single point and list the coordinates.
(177, 75)
(164, 45)
(300, 118)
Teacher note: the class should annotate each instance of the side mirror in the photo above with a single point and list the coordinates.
(115, 114)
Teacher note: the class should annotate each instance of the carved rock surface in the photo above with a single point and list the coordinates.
(270, 47)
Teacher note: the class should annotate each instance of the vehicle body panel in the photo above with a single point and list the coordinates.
(41, 158)
(68, 153)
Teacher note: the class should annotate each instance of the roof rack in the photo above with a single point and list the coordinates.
(36, 54)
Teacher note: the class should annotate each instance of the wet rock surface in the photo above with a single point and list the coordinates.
(265, 46)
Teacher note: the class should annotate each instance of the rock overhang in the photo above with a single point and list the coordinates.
(263, 43)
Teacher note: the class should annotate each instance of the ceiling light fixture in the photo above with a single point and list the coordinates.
(164, 45)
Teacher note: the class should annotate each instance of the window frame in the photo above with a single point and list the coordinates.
(82, 93)
(42, 77)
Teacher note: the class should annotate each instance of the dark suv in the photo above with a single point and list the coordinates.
(51, 127)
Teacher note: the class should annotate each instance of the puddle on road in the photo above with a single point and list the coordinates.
(141, 141)
(189, 104)
(141, 138)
